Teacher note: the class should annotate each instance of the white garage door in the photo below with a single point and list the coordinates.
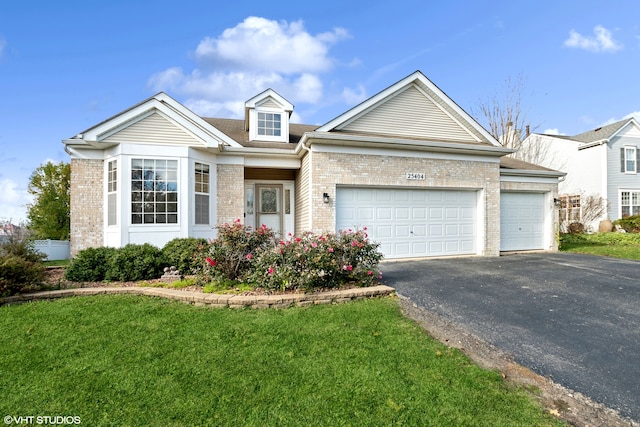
(411, 223)
(521, 221)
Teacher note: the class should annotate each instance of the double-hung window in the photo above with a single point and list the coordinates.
(630, 159)
(154, 191)
(112, 193)
(629, 203)
(201, 180)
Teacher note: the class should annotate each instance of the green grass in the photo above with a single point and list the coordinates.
(618, 245)
(130, 361)
(57, 263)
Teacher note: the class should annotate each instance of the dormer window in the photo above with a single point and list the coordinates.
(269, 124)
(267, 117)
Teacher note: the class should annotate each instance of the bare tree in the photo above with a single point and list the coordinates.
(504, 117)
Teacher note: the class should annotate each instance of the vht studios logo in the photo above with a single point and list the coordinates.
(42, 420)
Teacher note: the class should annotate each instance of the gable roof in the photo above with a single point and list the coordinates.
(170, 110)
(601, 133)
(413, 108)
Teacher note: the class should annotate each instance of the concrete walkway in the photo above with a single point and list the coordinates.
(215, 300)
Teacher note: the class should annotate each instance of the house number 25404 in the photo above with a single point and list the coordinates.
(415, 175)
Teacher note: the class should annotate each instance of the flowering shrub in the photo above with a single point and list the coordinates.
(311, 261)
(229, 256)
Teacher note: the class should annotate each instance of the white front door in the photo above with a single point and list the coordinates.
(269, 206)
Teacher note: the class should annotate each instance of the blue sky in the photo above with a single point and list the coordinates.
(66, 66)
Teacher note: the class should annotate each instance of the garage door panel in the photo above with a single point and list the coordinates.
(521, 221)
(412, 222)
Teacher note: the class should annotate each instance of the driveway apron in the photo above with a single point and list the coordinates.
(569, 317)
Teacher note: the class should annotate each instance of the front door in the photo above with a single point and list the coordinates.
(269, 206)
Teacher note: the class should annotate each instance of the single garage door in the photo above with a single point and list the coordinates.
(521, 221)
(411, 223)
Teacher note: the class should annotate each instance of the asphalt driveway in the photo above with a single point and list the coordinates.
(572, 318)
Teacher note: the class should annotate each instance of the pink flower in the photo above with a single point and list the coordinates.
(264, 226)
(364, 228)
(330, 250)
(237, 221)
(249, 256)
(369, 273)
(212, 262)
(289, 234)
(354, 243)
(298, 240)
(314, 245)
(350, 267)
(270, 270)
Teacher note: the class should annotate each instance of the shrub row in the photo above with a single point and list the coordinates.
(21, 267)
(257, 257)
(630, 224)
(135, 262)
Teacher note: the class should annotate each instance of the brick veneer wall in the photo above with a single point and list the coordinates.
(230, 188)
(332, 169)
(87, 204)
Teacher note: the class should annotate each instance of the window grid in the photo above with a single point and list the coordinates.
(630, 203)
(202, 193)
(269, 124)
(112, 188)
(154, 191)
(630, 159)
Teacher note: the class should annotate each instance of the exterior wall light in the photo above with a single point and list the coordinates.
(556, 201)
(325, 197)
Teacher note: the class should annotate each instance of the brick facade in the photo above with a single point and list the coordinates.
(230, 188)
(87, 204)
(332, 169)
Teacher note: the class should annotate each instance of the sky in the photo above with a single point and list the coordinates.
(66, 66)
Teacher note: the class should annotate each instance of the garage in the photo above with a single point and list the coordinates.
(411, 222)
(521, 221)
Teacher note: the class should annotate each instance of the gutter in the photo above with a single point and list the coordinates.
(529, 172)
(400, 143)
(593, 144)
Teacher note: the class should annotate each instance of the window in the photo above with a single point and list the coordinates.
(202, 193)
(269, 124)
(112, 193)
(629, 160)
(154, 191)
(570, 208)
(630, 203)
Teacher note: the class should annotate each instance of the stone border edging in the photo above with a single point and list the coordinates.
(215, 300)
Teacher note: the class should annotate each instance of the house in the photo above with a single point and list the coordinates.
(408, 163)
(601, 164)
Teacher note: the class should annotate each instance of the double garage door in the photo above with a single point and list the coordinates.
(411, 223)
(421, 223)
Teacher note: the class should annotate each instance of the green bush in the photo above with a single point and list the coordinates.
(90, 265)
(185, 254)
(135, 262)
(18, 274)
(630, 224)
(317, 261)
(229, 256)
(21, 267)
(21, 248)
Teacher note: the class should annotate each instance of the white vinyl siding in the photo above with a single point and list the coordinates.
(412, 114)
(302, 195)
(154, 129)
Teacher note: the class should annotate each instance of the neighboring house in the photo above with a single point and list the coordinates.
(603, 162)
(408, 163)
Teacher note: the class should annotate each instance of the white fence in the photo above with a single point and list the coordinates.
(54, 249)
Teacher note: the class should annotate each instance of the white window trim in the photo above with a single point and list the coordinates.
(626, 190)
(634, 159)
(253, 125)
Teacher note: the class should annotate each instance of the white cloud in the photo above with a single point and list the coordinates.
(635, 115)
(12, 201)
(243, 61)
(553, 131)
(601, 41)
(354, 96)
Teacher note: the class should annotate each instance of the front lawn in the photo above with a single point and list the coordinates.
(126, 360)
(618, 245)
